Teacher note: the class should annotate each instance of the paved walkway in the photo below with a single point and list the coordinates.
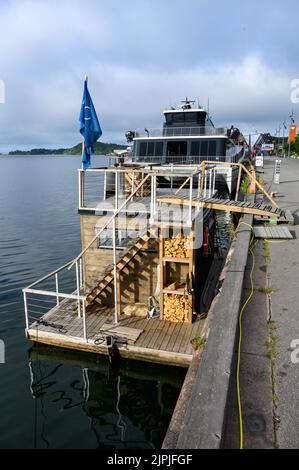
(283, 273)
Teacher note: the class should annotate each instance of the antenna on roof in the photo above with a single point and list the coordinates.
(187, 104)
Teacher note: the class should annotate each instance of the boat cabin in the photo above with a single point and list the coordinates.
(188, 136)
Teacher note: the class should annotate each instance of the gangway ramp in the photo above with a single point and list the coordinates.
(258, 209)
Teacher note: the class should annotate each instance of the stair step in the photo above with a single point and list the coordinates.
(121, 264)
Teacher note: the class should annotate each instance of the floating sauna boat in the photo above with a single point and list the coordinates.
(139, 285)
(138, 282)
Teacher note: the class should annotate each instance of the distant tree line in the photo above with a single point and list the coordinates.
(100, 149)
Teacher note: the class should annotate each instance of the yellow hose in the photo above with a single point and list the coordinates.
(241, 332)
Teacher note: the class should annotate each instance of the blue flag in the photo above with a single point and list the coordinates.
(89, 126)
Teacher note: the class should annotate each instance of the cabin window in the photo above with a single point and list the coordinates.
(150, 149)
(178, 118)
(177, 149)
(159, 149)
(191, 118)
(122, 238)
(204, 148)
(212, 148)
(143, 149)
(195, 149)
(168, 118)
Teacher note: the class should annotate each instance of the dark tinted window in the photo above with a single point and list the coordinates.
(142, 150)
(212, 148)
(168, 118)
(159, 149)
(150, 149)
(195, 149)
(178, 117)
(204, 148)
(190, 117)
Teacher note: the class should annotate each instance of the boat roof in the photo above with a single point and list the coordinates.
(183, 110)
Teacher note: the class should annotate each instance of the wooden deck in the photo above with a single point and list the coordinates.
(158, 341)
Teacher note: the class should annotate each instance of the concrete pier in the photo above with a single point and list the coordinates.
(207, 413)
(283, 276)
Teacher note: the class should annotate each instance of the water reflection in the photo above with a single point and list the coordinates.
(125, 406)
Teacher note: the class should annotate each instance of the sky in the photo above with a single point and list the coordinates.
(141, 56)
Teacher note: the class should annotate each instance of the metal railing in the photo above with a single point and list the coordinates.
(56, 294)
(181, 132)
(149, 181)
(183, 159)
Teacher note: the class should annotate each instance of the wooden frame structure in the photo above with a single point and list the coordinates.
(165, 263)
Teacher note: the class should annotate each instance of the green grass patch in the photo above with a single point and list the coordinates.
(245, 185)
(266, 290)
(199, 343)
(266, 252)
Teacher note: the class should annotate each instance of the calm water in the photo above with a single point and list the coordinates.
(50, 398)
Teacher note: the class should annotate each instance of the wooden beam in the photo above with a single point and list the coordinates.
(128, 351)
(238, 183)
(118, 294)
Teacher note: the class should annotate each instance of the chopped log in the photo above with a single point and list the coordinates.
(176, 308)
(178, 247)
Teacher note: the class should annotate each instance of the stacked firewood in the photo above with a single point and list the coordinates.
(133, 180)
(178, 246)
(176, 308)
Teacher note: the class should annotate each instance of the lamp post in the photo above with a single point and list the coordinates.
(284, 127)
(292, 122)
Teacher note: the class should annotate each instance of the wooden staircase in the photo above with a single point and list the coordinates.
(108, 277)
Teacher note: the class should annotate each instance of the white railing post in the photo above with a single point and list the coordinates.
(214, 181)
(81, 273)
(190, 203)
(81, 198)
(115, 272)
(116, 190)
(105, 186)
(172, 177)
(205, 185)
(152, 214)
(26, 310)
(78, 289)
(84, 321)
(57, 289)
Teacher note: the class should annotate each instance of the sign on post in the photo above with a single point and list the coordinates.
(277, 172)
(268, 147)
(259, 161)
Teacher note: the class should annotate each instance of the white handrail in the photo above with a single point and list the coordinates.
(108, 223)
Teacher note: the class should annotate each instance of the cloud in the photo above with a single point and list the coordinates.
(140, 56)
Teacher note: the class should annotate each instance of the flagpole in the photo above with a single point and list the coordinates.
(85, 80)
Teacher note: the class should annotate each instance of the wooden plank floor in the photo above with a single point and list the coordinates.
(160, 341)
(279, 232)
